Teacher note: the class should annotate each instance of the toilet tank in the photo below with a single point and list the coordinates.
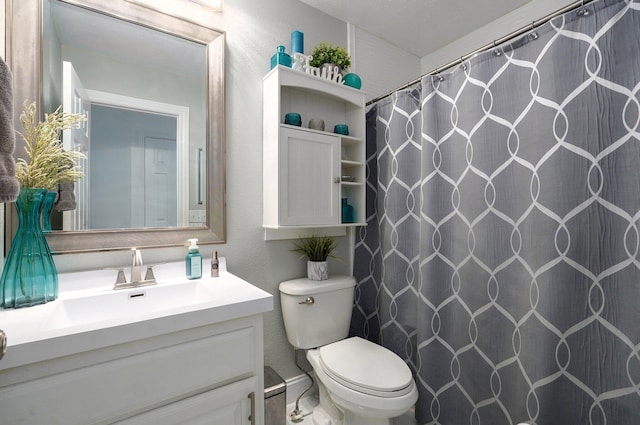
(317, 313)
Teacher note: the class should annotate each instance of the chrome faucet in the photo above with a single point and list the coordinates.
(136, 273)
(136, 265)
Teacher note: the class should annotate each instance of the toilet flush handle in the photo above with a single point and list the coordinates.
(308, 301)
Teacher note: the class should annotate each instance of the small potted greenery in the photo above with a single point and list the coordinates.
(330, 54)
(317, 249)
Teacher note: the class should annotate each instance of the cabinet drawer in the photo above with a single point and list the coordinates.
(229, 405)
(129, 385)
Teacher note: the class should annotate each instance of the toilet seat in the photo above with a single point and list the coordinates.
(366, 367)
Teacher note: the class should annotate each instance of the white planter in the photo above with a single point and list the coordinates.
(317, 270)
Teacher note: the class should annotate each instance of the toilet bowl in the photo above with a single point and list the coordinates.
(367, 382)
(359, 382)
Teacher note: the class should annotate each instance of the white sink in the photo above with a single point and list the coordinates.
(132, 303)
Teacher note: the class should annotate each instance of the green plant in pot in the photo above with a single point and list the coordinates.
(317, 249)
(330, 54)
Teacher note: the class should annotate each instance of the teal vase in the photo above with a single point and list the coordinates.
(352, 80)
(29, 276)
(47, 208)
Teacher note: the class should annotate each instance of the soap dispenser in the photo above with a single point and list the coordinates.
(194, 261)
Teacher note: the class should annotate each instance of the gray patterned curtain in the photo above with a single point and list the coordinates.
(502, 254)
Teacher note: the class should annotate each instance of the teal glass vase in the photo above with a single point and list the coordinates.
(47, 208)
(29, 276)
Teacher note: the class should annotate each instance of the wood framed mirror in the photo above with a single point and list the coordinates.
(27, 55)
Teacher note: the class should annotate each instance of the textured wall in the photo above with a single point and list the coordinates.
(253, 30)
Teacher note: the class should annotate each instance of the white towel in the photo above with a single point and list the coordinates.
(9, 186)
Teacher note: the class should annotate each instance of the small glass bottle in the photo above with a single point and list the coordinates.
(280, 58)
(194, 261)
(348, 213)
(215, 265)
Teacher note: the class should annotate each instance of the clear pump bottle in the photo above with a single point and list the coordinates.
(194, 261)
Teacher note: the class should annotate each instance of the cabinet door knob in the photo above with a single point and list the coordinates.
(336, 180)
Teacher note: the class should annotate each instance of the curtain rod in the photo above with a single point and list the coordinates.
(495, 43)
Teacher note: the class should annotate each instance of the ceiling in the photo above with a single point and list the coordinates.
(417, 26)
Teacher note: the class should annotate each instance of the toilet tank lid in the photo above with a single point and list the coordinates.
(304, 286)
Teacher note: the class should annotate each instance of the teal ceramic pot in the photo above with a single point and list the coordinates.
(293, 118)
(352, 80)
(341, 129)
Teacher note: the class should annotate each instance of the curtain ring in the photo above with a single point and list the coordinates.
(496, 51)
(464, 65)
(583, 11)
(533, 35)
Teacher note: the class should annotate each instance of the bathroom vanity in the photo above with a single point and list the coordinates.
(183, 351)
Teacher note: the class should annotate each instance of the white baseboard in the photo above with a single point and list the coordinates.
(296, 385)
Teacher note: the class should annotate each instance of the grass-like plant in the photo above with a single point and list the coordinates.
(49, 164)
(316, 248)
(328, 53)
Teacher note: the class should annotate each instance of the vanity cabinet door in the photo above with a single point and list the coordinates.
(167, 370)
(228, 405)
(309, 178)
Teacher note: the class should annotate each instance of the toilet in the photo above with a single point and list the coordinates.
(359, 382)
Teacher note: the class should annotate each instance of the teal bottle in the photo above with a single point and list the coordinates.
(348, 212)
(280, 58)
(29, 276)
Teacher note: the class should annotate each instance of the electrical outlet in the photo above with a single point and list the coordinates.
(197, 216)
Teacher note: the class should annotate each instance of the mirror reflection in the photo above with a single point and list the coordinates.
(144, 93)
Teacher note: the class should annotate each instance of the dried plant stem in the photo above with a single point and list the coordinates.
(49, 164)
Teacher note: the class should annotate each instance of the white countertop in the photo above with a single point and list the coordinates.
(89, 314)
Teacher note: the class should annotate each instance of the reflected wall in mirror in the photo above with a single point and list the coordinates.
(152, 88)
(132, 83)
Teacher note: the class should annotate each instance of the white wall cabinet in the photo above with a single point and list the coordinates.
(306, 172)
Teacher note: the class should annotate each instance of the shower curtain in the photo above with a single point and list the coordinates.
(501, 258)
